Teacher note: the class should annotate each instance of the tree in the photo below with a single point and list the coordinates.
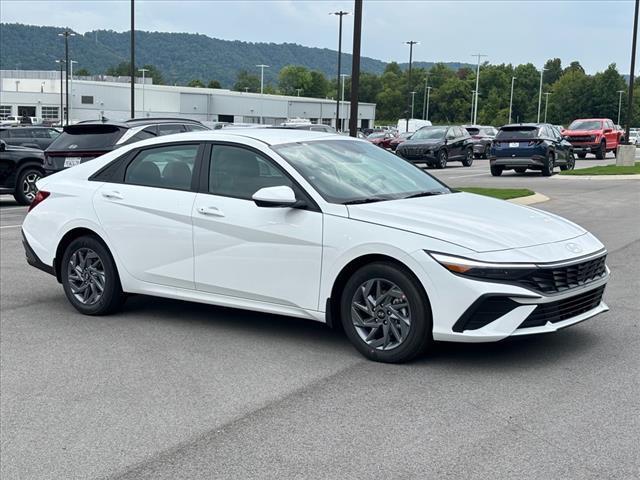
(292, 78)
(123, 70)
(246, 81)
(82, 72)
(553, 71)
(214, 84)
(319, 86)
(196, 83)
(573, 66)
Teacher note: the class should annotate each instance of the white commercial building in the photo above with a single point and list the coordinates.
(37, 94)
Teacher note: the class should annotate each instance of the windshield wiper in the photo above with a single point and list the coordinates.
(364, 200)
(428, 193)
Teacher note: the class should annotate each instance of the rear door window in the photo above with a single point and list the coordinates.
(163, 167)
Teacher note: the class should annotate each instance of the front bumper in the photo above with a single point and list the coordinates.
(585, 147)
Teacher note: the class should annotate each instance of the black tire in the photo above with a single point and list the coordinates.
(26, 189)
(548, 165)
(112, 297)
(468, 158)
(582, 155)
(443, 156)
(602, 151)
(419, 336)
(520, 169)
(486, 152)
(571, 163)
(496, 170)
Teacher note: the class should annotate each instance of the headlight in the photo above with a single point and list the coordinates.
(484, 270)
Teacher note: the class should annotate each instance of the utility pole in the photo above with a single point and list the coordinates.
(475, 106)
(71, 62)
(619, 92)
(411, 43)
(413, 96)
(540, 93)
(513, 79)
(261, 67)
(632, 73)
(66, 34)
(473, 95)
(132, 69)
(546, 104)
(340, 14)
(61, 116)
(424, 98)
(426, 117)
(341, 128)
(355, 68)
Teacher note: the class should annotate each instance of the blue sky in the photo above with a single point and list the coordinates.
(595, 32)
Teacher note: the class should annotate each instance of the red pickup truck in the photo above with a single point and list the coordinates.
(592, 135)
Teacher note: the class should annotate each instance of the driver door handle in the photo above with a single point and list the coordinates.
(211, 211)
(112, 195)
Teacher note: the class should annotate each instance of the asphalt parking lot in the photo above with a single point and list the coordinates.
(171, 390)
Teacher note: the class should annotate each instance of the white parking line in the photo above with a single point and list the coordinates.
(10, 226)
(9, 209)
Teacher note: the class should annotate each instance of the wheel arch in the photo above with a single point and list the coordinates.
(29, 162)
(66, 240)
(332, 310)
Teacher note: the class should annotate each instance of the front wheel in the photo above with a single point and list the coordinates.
(602, 151)
(468, 158)
(26, 189)
(442, 159)
(385, 313)
(571, 163)
(90, 278)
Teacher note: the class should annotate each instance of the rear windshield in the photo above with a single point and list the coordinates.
(473, 131)
(517, 133)
(87, 137)
(586, 125)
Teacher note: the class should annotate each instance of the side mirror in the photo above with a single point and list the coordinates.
(608, 130)
(3, 146)
(276, 197)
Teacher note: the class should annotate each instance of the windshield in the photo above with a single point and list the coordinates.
(347, 171)
(427, 133)
(586, 125)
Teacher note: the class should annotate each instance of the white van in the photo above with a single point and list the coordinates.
(414, 124)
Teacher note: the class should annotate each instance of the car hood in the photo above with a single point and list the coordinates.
(16, 148)
(425, 142)
(475, 222)
(570, 133)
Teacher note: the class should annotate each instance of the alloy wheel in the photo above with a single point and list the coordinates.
(29, 188)
(381, 314)
(86, 275)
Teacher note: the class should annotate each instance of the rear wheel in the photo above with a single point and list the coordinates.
(548, 165)
(602, 150)
(90, 278)
(468, 158)
(26, 189)
(496, 170)
(582, 155)
(486, 152)
(520, 170)
(441, 162)
(385, 313)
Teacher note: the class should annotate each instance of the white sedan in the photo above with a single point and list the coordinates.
(311, 225)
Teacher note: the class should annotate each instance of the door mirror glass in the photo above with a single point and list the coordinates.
(274, 197)
(608, 130)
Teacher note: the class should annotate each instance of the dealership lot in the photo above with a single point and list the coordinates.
(168, 389)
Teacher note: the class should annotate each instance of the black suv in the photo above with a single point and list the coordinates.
(87, 140)
(33, 137)
(435, 146)
(20, 169)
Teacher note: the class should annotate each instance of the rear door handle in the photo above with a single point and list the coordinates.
(112, 195)
(212, 211)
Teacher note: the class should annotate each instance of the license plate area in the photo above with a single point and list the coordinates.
(72, 161)
(514, 144)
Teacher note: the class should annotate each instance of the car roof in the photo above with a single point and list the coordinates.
(273, 136)
(135, 122)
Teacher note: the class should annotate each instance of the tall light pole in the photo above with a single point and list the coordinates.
(619, 92)
(340, 125)
(475, 106)
(426, 116)
(340, 14)
(355, 67)
(298, 90)
(71, 62)
(546, 104)
(132, 66)
(513, 79)
(632, 73)
(411, 43)
(473, 96)
(424, 98)
(413, 97)
(60, 116)
(540, 92)
(66, 34)
(261, 67)
(143, 71)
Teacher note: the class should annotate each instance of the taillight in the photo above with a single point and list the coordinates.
(533, 143)
(40, 196)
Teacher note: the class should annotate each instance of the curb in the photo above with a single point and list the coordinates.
(530, 199)
(634, 176)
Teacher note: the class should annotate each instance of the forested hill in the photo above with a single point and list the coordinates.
(180, 57)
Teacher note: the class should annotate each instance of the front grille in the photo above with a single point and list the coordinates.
(581, 138)
(564, 309)
(559, 279)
